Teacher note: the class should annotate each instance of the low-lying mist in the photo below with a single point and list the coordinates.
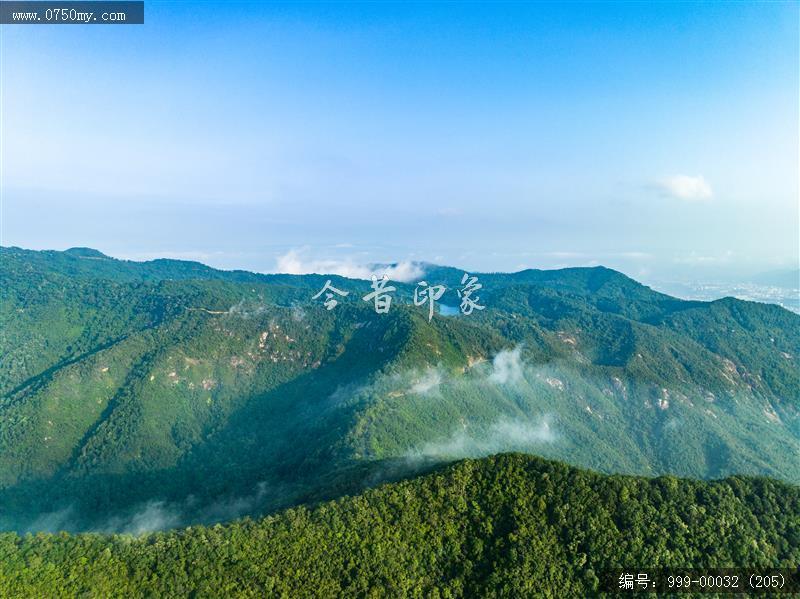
(149, 516)
(588, 415)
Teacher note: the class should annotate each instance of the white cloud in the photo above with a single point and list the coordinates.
(565, 254)
(345, 394)
(294, 263)
(693, 258)
(52, 521)
(519, 433)
(504, 434)
(633, 255)
(507, 367)
(429, 381)
(686, 187)
(155, 516)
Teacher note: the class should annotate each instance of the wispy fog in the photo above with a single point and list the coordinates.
(507, 367)
(504, 434)
(153, 515)
(428, 382)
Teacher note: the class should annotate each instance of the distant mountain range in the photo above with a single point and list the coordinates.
(137, 396)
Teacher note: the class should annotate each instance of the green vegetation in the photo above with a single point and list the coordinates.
(505, 526)
(214, 394)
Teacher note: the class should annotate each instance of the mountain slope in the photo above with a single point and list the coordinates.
(220, 393)
(506, 526)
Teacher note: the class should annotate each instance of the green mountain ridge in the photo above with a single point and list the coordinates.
(216, 394)
(504, 526)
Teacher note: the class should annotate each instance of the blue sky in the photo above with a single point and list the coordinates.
(658, 138)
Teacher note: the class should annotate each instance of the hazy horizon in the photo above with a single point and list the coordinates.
(294, 262)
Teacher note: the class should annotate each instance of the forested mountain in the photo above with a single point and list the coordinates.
(504, 526)
(136, 396)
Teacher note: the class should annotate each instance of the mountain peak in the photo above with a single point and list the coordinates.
(83, 252)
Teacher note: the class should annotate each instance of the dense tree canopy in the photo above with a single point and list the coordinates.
(504, 526)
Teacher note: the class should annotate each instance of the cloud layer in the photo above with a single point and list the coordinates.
(294, 263)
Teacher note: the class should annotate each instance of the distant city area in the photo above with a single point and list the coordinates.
(787, 297)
